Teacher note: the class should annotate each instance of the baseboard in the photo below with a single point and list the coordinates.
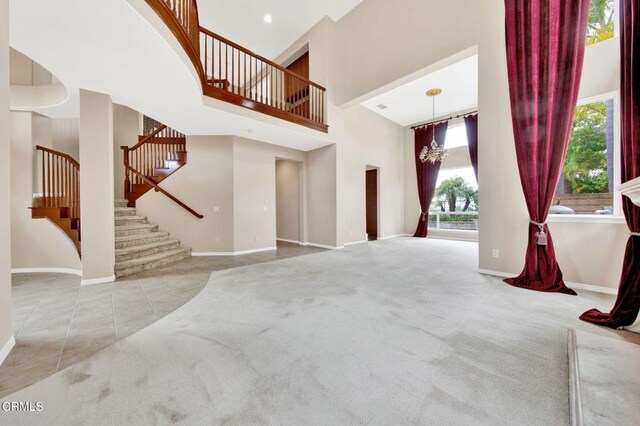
(575, 397)
(46, 270)
(579, 286)
(497, 273)
(353, 243)
(231, 253)
(102, 280)
(6, 349)
(284, 240)
(594, 288)
(452, 238)
(394, 236)
(324, 246)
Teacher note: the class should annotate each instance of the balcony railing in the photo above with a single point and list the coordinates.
(233, 74)
(458, 221)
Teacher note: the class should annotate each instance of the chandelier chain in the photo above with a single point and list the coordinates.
(436, 153)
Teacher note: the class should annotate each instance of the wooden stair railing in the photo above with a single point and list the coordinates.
(60, 199)
(156, 156)
(233, 74)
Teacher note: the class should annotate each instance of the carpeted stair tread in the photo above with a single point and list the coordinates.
(151, 258)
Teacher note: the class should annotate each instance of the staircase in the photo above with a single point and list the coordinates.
(62, 218)
(159, 153)
(140, 246)
(59, 201)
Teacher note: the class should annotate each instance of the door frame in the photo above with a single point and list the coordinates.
(369, 168)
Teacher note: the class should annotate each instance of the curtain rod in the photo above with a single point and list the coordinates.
(444, 119)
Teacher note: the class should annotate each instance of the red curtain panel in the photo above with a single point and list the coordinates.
(427, 173)
(471, 125)
(545, 52)
(625, 310)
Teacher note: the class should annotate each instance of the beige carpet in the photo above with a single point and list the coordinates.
(387, 333)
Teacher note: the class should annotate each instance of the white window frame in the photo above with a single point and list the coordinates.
(617, 217)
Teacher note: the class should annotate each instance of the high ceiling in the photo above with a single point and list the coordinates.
(407, 104)
(242, 21)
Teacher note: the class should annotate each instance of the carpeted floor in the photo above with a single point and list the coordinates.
(57, 322)
(387, 333)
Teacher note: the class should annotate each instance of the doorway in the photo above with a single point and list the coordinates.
(288, 201)
(372, 203)
(296, 90)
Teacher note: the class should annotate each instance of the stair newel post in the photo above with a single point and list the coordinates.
(127, 181)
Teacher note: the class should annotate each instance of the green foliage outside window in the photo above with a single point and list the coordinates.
(455, 194)
(585, 168)
(601, 26)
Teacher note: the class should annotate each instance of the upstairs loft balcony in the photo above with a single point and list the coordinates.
(233, 74)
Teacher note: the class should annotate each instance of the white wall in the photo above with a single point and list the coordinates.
(205, 183)
(66, 135)
(288, 191)
(126, 129)
(229, 180)
(21, 69)
(254, 192)
(35, 243)
(322, 196)
(96, 187)
(361, 138)
(381, 41)
(370, 140)
(6, 333)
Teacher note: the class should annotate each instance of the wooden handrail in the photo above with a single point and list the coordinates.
(261, 58)
(60, 154)
(153, 135)
(167, 11)
(157, 188)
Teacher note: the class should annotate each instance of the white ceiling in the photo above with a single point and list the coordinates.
(407, 104)
(242, 21)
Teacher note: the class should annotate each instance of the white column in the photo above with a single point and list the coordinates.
(96, 188)
(6, 333)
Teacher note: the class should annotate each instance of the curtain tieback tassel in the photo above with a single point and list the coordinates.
(422, 216)
(540, 235)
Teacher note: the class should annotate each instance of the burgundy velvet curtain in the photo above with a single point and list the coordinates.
(471, 124)
(545, 52)
(625, 310)
(427, 173)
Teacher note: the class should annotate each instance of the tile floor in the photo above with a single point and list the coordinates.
(57, 322)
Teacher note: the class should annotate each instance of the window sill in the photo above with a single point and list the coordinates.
(586, 218)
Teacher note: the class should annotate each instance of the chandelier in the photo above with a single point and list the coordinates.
(436, 153)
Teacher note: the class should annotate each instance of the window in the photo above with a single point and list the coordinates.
(456, 137)
(455, 204)
(587, 183)
(601, 21)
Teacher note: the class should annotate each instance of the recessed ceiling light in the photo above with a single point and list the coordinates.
(268, 19)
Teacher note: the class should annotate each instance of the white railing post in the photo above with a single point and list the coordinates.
(437, 220)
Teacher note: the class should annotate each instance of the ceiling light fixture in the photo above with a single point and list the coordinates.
(436, 153)
(268, 19)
